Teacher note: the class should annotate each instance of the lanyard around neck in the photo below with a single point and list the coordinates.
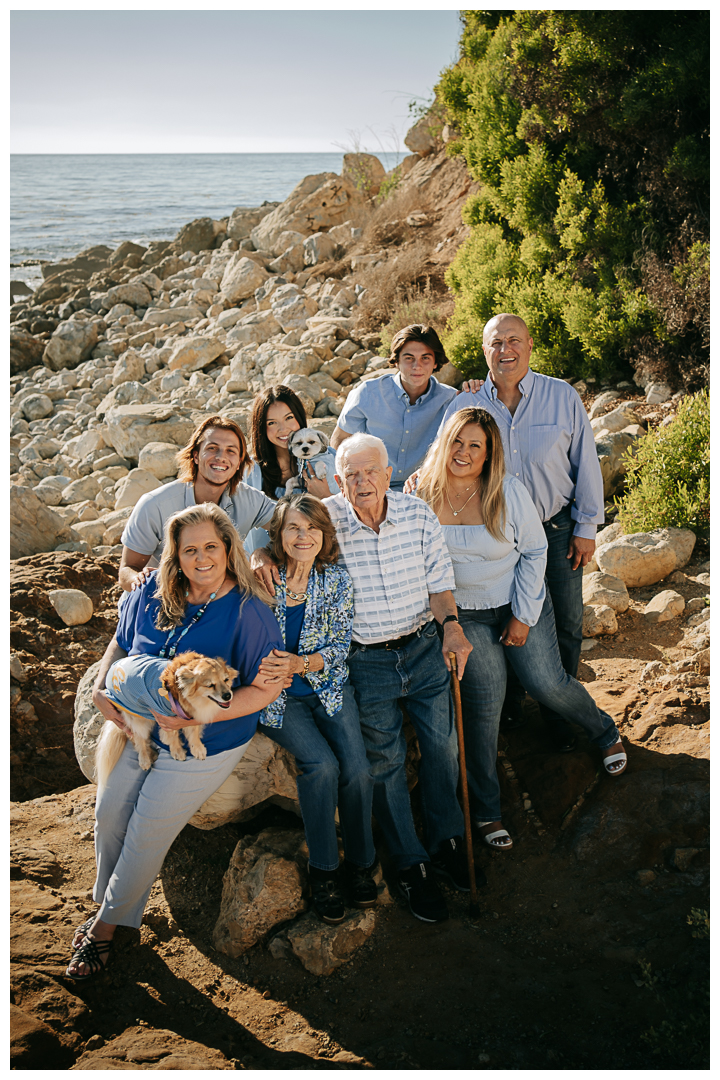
(196, 618)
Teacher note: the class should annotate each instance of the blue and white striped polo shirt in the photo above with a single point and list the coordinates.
(395, 571)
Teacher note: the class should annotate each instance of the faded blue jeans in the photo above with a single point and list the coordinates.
(417, 676)
(538, 665)
(565, 588)
(334, 772)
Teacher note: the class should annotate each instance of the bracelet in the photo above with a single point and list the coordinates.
(306, 665)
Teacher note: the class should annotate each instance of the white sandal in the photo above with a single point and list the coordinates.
(492, 838)
(607, 761)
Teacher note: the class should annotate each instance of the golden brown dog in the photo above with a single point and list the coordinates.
(195, 686)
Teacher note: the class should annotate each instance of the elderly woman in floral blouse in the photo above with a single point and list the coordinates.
(316, 717)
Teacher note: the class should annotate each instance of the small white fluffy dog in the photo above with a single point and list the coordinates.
(312, 447)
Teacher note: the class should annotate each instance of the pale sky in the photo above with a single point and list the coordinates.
(180, 81)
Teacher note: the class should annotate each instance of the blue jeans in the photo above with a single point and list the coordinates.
(538, 665)
(334, 772)
(565, 588)
(415, 674)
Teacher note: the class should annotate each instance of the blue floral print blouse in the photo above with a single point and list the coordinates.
(327, 629)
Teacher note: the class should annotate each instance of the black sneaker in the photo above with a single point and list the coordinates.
(512, 720)
(562, 737)
(450, 861)
(363, 890)
(326, 895)
(420, 889)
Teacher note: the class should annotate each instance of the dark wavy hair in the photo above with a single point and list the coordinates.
(316, 513)
(262, 450)
(425, 335)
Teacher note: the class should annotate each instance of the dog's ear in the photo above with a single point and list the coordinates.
(323, 438)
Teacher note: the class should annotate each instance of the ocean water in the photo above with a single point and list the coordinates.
(62, 203)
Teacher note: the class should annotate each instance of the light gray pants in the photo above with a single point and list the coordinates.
(137, 817)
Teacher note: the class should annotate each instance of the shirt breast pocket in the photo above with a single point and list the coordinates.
(543, 438)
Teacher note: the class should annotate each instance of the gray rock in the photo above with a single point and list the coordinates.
(644, 558)
(37, 407)
(241, 278)
(601, 402)
(160, 459)
(131, 427)
(197, 236)
(599, 619)
(322, 949)
(657, 393)
(665, 606)
(193, 353)
(70, 345)
(86, 487)
(25, 351)
(602, 589)
(318, 248)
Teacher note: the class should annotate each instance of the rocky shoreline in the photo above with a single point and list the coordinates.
(113, 362)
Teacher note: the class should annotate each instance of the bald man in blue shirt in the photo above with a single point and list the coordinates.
(549, 445)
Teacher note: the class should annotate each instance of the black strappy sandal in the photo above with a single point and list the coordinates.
(90, 953)
(82, 929)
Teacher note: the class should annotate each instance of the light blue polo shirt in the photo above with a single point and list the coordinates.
(382, 407)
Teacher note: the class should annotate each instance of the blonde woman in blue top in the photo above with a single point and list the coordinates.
(498, 549)
(316, 717)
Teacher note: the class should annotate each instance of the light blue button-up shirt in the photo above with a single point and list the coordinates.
(549, 446)
(382, 407)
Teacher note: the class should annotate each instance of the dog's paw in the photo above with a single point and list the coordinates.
(178, 754)
(146, 761)
(199, 752)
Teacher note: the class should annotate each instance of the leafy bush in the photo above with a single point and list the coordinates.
(668, 476)
(588, 132)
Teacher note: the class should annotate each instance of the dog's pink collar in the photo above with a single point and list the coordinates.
(177, 707)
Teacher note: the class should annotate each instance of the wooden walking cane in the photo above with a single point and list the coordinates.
(455, 683)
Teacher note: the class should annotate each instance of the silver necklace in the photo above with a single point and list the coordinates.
(456, 512)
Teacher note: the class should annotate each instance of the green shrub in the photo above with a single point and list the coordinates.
(668, 477)
(588, 135)
(390, 183)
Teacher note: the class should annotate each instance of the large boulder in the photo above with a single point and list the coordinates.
(160, 459)
(241, 278)
(602, 589)
(296, 362)
(193, 353)
(364, 171)
(422, 138)
(254, 329)
(36, 407)
(315, 205)
(129, 367)
(318, 248)
(266, 773)
(321, 948)
(667, 605)
(599, 619)
(72, 605)
(131, 427)
(127, 393)
(263, 886)
(621, 417)
(198, 235)
(611, 449)
(244, 219)
(158, 316)
(34, 527)
(644, 558)
(133, 293)
(137, 482)
(292, 308)
(70, 345)
(114, 523)
(26, 351)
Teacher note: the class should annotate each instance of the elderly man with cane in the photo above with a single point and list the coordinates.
(391, 544)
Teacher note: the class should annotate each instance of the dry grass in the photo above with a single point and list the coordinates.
(385, 224)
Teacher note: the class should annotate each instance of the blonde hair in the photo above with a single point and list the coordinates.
(433, 484)
(171, 582)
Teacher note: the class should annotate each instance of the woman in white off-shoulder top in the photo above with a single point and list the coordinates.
(498, 548)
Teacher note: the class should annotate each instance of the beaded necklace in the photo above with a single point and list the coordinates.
(196, 618)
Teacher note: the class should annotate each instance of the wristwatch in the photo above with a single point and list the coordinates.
(450, 618)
